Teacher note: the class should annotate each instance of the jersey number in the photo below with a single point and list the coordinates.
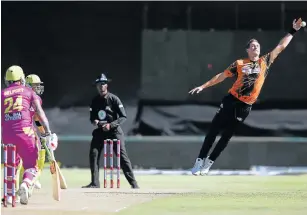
(13, 104)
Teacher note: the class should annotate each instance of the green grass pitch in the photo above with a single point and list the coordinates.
(174, 195)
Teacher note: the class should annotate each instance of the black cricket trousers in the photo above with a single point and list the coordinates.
(95, 153)
(232, 112)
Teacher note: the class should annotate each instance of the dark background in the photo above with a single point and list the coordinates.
(155, 52)
(69, 43)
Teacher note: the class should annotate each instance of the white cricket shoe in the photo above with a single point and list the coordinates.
(206, 166)
(23, 192)
(37, 185)
(197, 166)
(30, 190)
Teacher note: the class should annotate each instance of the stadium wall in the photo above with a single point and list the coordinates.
(180, 152)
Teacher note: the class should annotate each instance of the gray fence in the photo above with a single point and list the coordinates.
(180, 152)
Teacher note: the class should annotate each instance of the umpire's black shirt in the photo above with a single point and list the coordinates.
(109, 109)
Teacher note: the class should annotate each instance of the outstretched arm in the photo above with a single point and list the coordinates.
(215, 80)
(229, 72)
(285, 41)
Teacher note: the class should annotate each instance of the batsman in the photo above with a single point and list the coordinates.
(107, 113)
(19, 104)
(34, 82)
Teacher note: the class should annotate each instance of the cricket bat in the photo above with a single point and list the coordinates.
(58, 180)
(56, 187)
(63, 183)
(51, 157)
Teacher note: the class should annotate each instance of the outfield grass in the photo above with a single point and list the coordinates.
(230, 195)
(214, 195)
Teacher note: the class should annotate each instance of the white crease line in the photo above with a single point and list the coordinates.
(117, 210)
(84, 208)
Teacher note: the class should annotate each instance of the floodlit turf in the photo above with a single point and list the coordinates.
(178, 195)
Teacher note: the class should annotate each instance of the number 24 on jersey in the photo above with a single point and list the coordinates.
(13, 104)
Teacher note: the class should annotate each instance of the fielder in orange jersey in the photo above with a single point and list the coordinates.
(17, 127)
(250, 75)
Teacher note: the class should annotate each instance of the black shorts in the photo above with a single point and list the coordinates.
(232, 110)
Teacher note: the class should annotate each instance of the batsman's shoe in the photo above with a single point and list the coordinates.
(23, 192)
(37, 185)
(30, 190)
(206, 166)
(197, 166)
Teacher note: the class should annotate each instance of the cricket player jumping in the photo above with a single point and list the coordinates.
(17, 127)
(236, 106)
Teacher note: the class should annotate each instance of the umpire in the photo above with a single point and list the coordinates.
(107, 113)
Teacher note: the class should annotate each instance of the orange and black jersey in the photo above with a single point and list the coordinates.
(250, 78)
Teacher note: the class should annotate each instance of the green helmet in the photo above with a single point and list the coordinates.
(35, 83)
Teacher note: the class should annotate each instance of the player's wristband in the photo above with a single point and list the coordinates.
(292, 31)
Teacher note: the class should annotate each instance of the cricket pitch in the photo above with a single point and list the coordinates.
(168, 195)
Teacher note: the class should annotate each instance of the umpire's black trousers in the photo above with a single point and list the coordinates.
(231, 113)
(95, 153)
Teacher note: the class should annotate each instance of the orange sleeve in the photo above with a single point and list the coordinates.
(231, 70)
